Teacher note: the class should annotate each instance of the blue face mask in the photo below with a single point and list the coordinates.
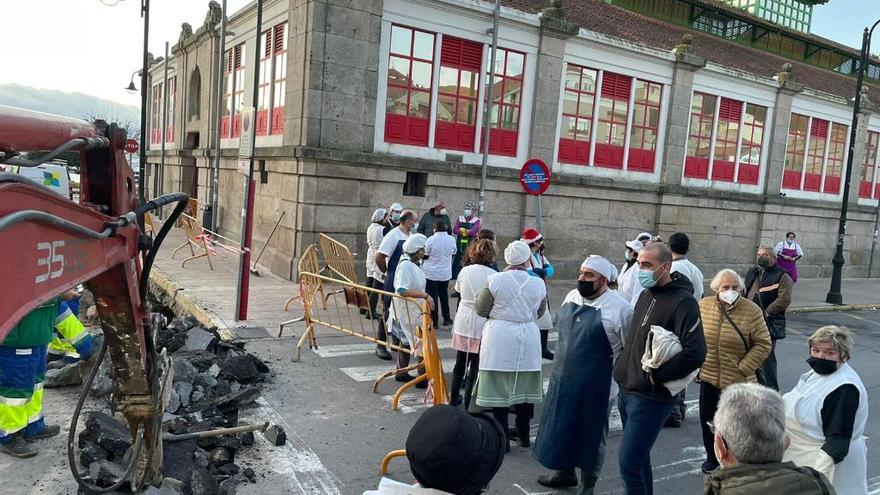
(646, 277)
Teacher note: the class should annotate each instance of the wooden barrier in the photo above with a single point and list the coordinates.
(195, 238)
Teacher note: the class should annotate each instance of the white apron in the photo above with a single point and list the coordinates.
(803, 421)
(404, 316)
(471, 280)
(511, 341)
(545, 322)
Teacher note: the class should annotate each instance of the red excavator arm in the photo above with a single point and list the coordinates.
(49, 244)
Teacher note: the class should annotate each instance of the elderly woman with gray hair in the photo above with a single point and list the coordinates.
(826, 413)
(737, 342)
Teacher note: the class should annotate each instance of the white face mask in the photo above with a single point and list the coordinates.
(467, 213)
(415, 226)
(444, 211)
(728, 296)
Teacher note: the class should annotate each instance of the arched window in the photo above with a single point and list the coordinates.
(195, 94)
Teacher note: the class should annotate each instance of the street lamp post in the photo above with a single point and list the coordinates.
(489, 100)
(834, 294)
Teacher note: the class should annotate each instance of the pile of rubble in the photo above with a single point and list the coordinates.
(212, 381)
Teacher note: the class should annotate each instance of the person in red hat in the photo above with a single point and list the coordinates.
(540, 267)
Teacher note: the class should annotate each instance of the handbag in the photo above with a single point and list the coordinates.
(759, 373)
(775, 324)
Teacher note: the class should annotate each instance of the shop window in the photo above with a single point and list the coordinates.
(814, 155)
(699, 149)
(868, 182)
(613, 110)
(645, 127)
(506, 102)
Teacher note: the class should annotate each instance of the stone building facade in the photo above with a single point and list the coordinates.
(647, 125)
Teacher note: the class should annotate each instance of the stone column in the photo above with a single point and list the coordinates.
(678, 115)
(555, 30)
(779, 131)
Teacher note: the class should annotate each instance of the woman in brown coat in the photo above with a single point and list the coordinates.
(737, 342)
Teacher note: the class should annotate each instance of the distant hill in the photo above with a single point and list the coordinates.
(78, 105)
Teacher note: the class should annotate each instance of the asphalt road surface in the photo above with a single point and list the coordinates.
(345, 429)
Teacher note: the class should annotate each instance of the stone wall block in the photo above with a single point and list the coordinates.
(348, 22)
(341, 135)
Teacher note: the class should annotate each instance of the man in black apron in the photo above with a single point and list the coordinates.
(574, 422)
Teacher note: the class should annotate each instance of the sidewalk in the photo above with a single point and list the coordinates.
(210, 295)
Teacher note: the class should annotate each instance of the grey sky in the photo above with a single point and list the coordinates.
(85, 46)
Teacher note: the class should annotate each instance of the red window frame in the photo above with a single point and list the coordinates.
(834, 164)
(642, 149)
(238, 67)
(169, 120)
(264, 88)
(696, 166)
(752, 133)
(579, 103)
(727, 136)
(798, 129)
(279, 66)
(867, 184)
(408, 127)
(228, 85)
(506, 115)
(615, 92)
(819, 129)
(462, 61)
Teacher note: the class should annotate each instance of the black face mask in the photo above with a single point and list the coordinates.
(763, 262)
(822, 366)
(587, 289)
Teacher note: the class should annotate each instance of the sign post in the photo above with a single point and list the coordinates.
(534, 177)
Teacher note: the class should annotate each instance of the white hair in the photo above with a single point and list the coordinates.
(722, 274)
(751, 420)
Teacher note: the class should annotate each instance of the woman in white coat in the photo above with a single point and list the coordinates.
(467, 329)
(826, 413)
(406, 316)
(375, 277)
(510, 350)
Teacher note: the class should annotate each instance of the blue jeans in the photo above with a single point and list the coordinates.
(642, 421)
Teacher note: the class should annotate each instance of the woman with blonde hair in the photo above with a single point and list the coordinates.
(826, 413)
(737, 342)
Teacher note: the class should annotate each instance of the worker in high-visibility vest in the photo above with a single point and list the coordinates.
(70, 341)
(22, 373)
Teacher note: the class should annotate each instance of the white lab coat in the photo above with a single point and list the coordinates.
(803, 422)
(689, 270)
(405, 316)
(439, 249)
(511, 340)
(628, 284)
(661, 347)
(374, 240)
(471, 280)
(616, 315)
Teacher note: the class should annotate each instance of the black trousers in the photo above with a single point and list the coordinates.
(769, 368)
(524, 413)
(381, 333)
(463, 360)
(709, 396)
(439, 292)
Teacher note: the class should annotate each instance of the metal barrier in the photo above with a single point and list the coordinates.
(338, 258)
(341, 314)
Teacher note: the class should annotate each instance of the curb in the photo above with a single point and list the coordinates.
(830, 308)
(175, 296)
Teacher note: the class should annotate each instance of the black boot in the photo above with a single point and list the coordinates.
(559, 479)
(383, 353)
(587, 484)
(545, 352)
(523, 417)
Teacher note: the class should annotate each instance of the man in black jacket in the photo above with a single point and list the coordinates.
(644, 402)
(770, 287)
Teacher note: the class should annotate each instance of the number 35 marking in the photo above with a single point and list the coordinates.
(52, 258)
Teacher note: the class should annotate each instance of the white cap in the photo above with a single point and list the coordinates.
(414, 243)
(643, 235)
(635, 245)
(396, 207)
(601, 266)
(378, 215)
(516, 253)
